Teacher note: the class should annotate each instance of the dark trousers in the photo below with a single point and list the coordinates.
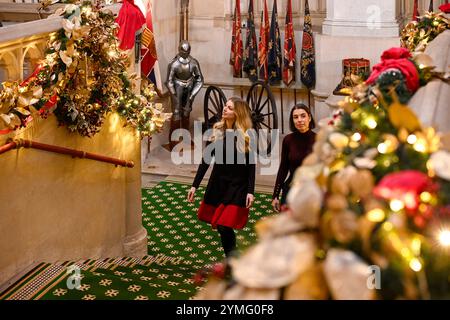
(228, 239)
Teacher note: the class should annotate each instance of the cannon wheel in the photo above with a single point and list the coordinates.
(213, 106)
(264, 114)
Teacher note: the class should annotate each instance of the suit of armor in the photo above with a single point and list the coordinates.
(184, 81)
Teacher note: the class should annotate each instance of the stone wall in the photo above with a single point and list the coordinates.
(57, 208)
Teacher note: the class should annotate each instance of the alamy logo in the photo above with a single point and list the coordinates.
(73, 281)
(373, 17)
(374, 279)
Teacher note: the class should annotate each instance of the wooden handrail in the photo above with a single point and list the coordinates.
(9, 146)
(19, 143)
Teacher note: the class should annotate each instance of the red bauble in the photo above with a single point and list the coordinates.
(397, 58)
(405, 186)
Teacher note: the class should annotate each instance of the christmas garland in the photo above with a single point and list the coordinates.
(374, 196)
(418, 34)
(82, 78)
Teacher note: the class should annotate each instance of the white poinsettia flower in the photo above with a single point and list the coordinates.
(338, 140)
(440, 164)
(70, 8)
(65, 58)
(71, 25)
(364, 163)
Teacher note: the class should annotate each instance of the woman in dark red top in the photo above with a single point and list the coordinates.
(230, 190)
(296, 146)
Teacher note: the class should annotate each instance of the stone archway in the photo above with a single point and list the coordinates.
(31, 57)
(9, 65)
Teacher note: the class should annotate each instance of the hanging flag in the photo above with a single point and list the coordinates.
(251, 51)
(149, 57)
(236, 42)
(308, 58)
(415, 10)
(274, 48)
(130, 20)
(431, 7)
(264, 44)
(290, 50)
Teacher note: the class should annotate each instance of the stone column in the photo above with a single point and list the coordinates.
(135, 242)
(352, 29)
(362, 18)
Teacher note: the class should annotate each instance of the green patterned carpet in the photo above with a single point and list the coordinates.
(178, 246)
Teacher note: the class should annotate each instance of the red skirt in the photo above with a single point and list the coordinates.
(230, 215)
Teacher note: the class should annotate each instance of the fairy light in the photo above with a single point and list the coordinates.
(396, 205)
(356, 137)
(411, 139)
(444, 238)
(376, 215)
(371, 123)
(425, 197)
(353, 144)
(416, 244)
(405, 252)
(382, 148)
(420, 146)
(387, 226)
(415, 265)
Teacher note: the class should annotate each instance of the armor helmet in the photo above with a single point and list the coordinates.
(184, 49)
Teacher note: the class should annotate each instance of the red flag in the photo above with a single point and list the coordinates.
(236, 43)
(130, 20)
(149, 57)
(290, 50)
(264, 44)
(416, 10)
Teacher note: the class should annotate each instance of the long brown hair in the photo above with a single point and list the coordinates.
(242, 123)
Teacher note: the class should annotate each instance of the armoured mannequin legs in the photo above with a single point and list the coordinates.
(183, 123)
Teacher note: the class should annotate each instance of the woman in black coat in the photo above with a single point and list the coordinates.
(230, 190)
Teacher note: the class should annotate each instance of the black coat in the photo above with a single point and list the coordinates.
(232, 177)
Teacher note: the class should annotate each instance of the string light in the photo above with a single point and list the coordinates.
(396, 205)
(371, 123)
(420, 146)
(416, 244)
(376, 215)
(444, 238)
(415, 265)
(382, 148)
(356, 137)
(426, 197)
(387, 226)
(411, 139)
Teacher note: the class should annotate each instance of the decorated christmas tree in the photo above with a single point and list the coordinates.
(81, 79)
(369, 209)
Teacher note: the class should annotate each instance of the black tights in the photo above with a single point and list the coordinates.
(228, 239)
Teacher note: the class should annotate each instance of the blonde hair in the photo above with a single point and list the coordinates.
(242, 123)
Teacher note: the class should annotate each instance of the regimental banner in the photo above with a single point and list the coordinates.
(149, 56)
(416, 10)
(308, 57)
(274, 48)
(251, 51)
(236, 42)
(290, 50)
(264, 44)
